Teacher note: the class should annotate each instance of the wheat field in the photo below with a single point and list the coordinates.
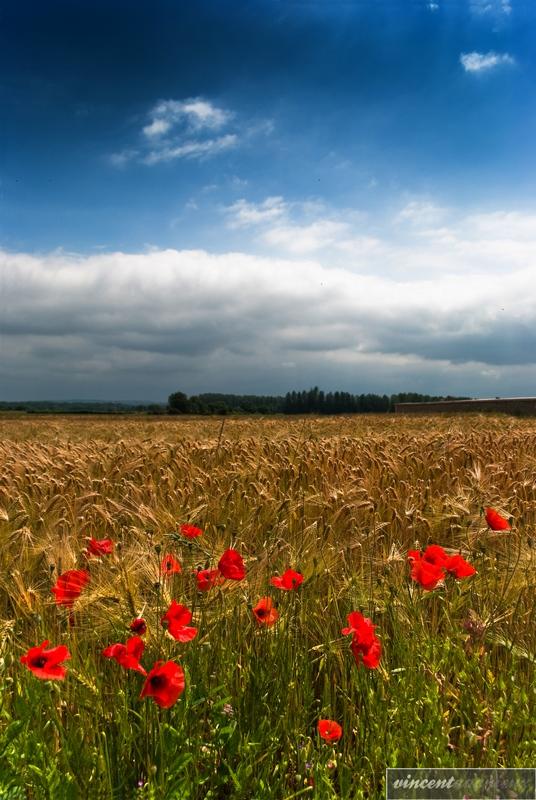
(342, 500)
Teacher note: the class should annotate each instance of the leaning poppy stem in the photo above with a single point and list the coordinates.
(159, 606)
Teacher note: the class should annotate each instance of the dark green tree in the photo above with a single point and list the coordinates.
(178, 403)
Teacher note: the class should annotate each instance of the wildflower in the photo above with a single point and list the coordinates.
(190, 531)
(329, 730)
(360, 627)
(69, 586)
(370, 655)
(434, 554)
(138, 625)
(474, 626)
(231, 565)
(99, 547)
(426, 574)
(495, 521)
(170, 565)
(177, 618)
(430, 567)
(208, 578)
(164, 683)
(289, 580)
(46, 664)
(366, 646)
(128, 656)
(459, 567)
(264, 611)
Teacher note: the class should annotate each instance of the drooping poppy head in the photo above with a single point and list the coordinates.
(231, 565)
(99, 547)
(190, 531)
(127, 655)
(69, 586)
(426, 574)
(46, 664)
(495, 521)
(265, 613)
(370, 654)
(177, 618)
(164, 683)
(170, 565)
(459, 567)
(329, 730)
(289, 580)
(138, 626)
(361, 628)
(208, 578)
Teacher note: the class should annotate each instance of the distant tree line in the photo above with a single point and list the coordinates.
(311, 401)
(81, 407)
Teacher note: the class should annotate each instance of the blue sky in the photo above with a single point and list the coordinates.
(260, 196)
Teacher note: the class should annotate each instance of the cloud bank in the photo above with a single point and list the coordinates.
(138, 326)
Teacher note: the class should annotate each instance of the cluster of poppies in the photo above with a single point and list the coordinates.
(431, 566)
(165, 681)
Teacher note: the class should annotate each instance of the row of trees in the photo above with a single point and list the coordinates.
(312, 401)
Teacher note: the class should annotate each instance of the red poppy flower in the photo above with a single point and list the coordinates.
(164, 683)
(288, 581)
(45, 664)
(361, 628)
(177, 618)
(69, 586)
(170, 565)
(128, 655)
(208, 578)
(366, 646)
(495, 521)
(138, 625)
(426, 574)
(329, 730)
(264, 611)
(190, 531)
(370, 655)
(231, 565)
(434, 554)
(99, 547)
(459, 567)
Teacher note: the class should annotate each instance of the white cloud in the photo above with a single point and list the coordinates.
(157, 128)
(194, 128)
(243, 214)
(196, 114)
(198, 150)
(482, 62)
(303, 239)
(294, 227)
(496, 8)
(421, 213)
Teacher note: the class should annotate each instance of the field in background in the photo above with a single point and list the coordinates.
(341, 499)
